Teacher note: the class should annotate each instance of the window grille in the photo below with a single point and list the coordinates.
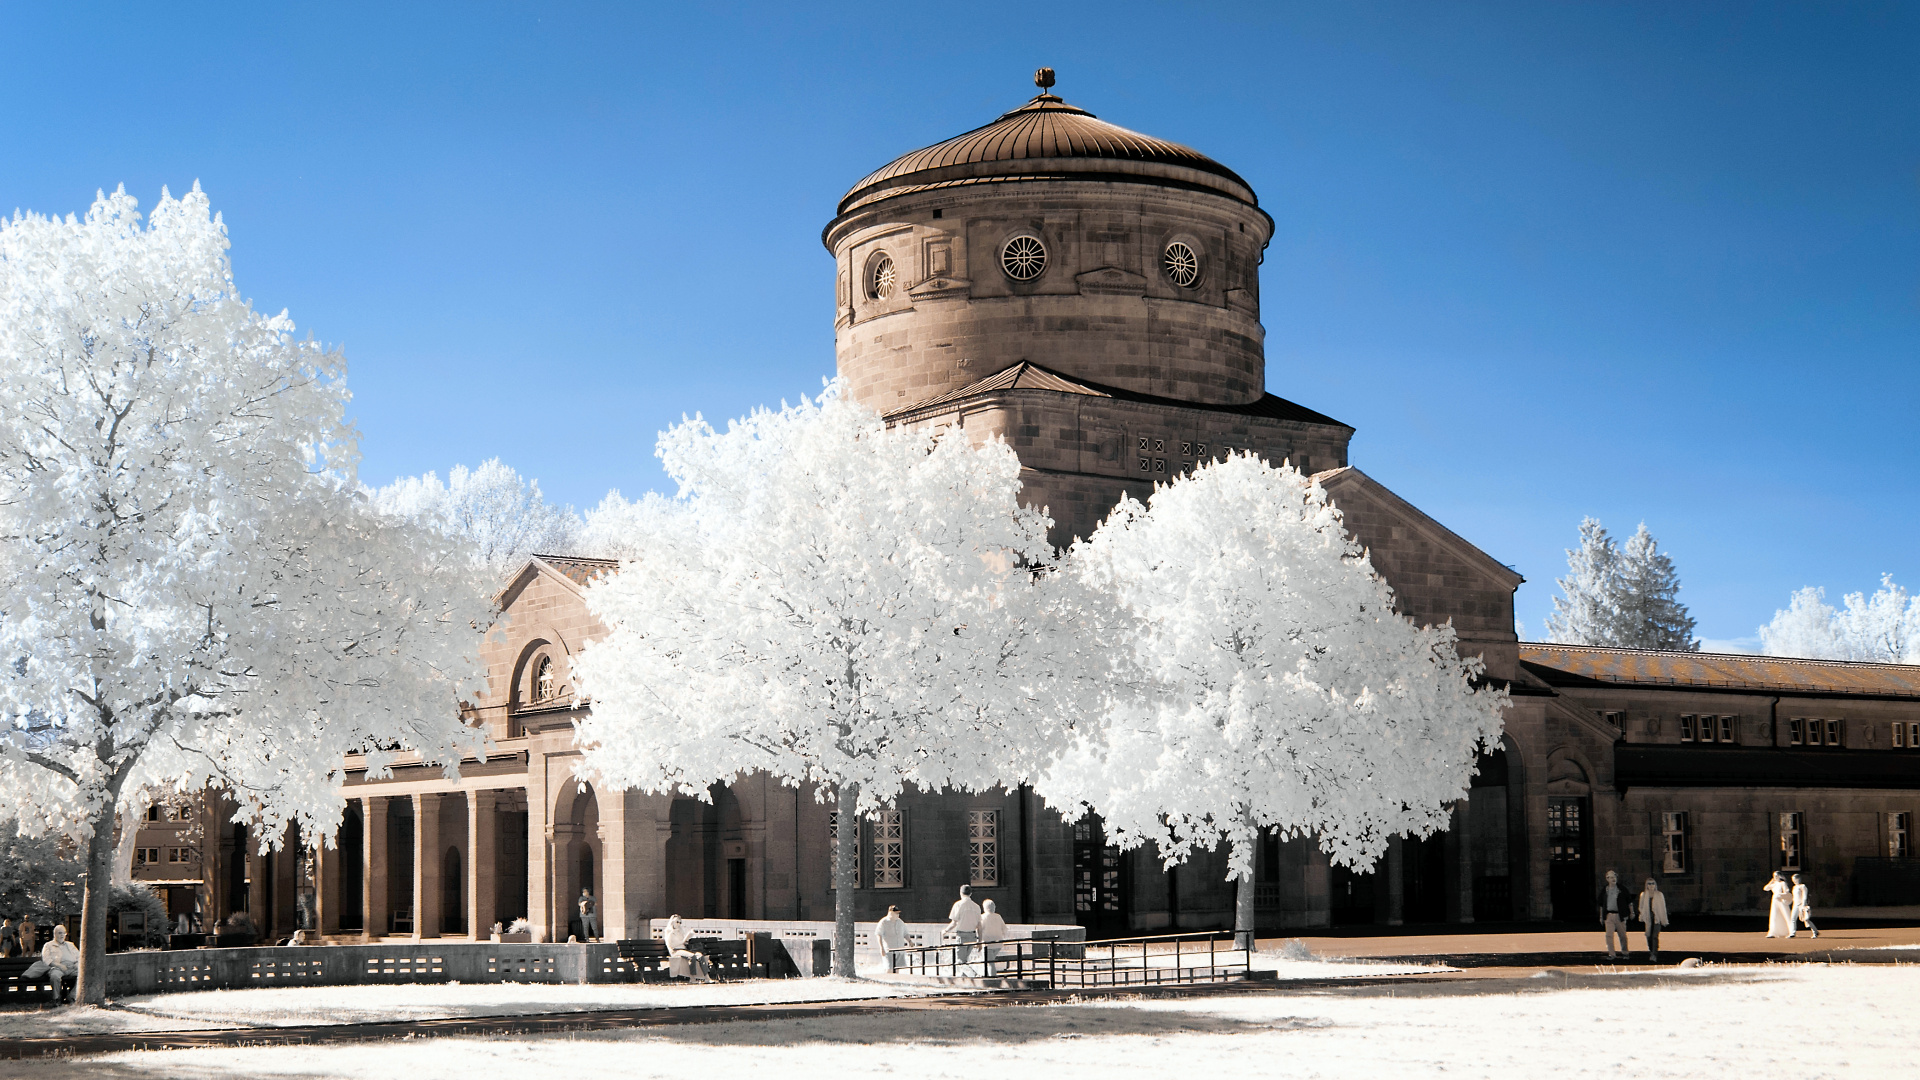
(1023, 258)
(1182, 265)
(1673, 843)
(833, 837)
(880, 278)
(889, 849)
(1565, 839)
(983, 847)
(1899, 829)
(543, 680)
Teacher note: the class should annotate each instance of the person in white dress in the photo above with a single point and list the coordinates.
(1780, 910)
(892, 931)
(1802, 913)
(993, 930)
(682, 962)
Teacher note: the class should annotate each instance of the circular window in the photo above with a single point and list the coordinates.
(880, 277)
(1182, 265)
(1023, 258)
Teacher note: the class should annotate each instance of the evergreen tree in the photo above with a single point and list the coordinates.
(1621, 595)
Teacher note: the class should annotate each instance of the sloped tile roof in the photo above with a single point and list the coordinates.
(578, 569)
(1027, 375)
(1564, 665)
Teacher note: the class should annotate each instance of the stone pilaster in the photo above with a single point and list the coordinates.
(373, 876)
(426, 866)
(482, 826)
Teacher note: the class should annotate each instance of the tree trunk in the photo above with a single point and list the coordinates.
(92, 988)
(1243, 912)
(846, 873)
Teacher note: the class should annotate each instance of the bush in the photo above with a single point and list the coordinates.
(137, 897)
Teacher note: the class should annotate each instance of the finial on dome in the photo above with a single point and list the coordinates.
(1043, 79)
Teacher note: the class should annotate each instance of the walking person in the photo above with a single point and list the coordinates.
(8, 943)
(963, 922)
(1780, 909)
(27, 935)
(1616, 907)
(589, 917)
(993, 930)
(892, 932)
(1653, 917)
(1801, 912)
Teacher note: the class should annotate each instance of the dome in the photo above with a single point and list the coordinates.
(1048, 139)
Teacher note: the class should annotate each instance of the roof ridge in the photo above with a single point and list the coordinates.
(1750, 657)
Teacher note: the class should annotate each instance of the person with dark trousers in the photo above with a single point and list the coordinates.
(1616, 907)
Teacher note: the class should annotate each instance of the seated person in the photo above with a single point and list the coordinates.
(683, 963)
(60, 962)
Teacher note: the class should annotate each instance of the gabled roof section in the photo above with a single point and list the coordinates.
(576, 571)
(1333, 480)
(1590, 665)
(1027, 375)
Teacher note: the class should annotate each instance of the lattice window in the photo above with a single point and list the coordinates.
(983, 847)
(833, 837)
(889, 849)
(1182, 265)
(1673, 843)
(1023, 258)
(880, 277)
(1899, 832)
(1565, 835)
(543, 680)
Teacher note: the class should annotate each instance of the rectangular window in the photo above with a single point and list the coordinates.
(983, 847)
(889, 849)
(1913, 735)
(1899, 829)
(1796, 731)
(183, 812)
(1833, 733)
(1791, 828)
(1727, 729)
(1899, 735)
(146, 856)
(179, 855)
(833, 837)
(1686, 727)
(1673, 843)
(153, 813)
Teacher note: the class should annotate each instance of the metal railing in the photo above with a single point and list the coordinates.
(1138, 961)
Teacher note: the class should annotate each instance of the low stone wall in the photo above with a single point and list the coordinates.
(797, 935)
(344, 965)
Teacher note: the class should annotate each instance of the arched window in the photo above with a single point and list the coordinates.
(543, 680)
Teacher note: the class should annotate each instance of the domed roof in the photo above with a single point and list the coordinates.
(1049, 139)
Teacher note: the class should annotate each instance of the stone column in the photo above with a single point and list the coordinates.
(1396, 882)
(326, 889)
(426, 866)
(539, 855)
(482, 830)
(619, 893)
(373, 876)
(257, 887)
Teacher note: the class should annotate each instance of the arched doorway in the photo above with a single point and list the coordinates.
(577, 860)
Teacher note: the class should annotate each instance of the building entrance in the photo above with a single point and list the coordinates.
(1100, 894)
(1569, 857)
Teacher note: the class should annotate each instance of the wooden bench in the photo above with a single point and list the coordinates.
(649, 959)
(17, 989)
(729, 959)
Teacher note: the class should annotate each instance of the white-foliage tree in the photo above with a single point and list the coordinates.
(192, 592)
(1884, 627)
(1288, 694)
(834, 603)
(504, 516)
(1624, 595)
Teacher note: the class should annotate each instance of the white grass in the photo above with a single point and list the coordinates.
(1733, 1022)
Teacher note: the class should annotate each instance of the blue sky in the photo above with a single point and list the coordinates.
(1652, 262)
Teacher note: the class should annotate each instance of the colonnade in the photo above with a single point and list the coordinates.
(463, 823)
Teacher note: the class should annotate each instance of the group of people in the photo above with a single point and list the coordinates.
(971, 923)
(1618, 907)
(59, 961)
(1789, 906)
